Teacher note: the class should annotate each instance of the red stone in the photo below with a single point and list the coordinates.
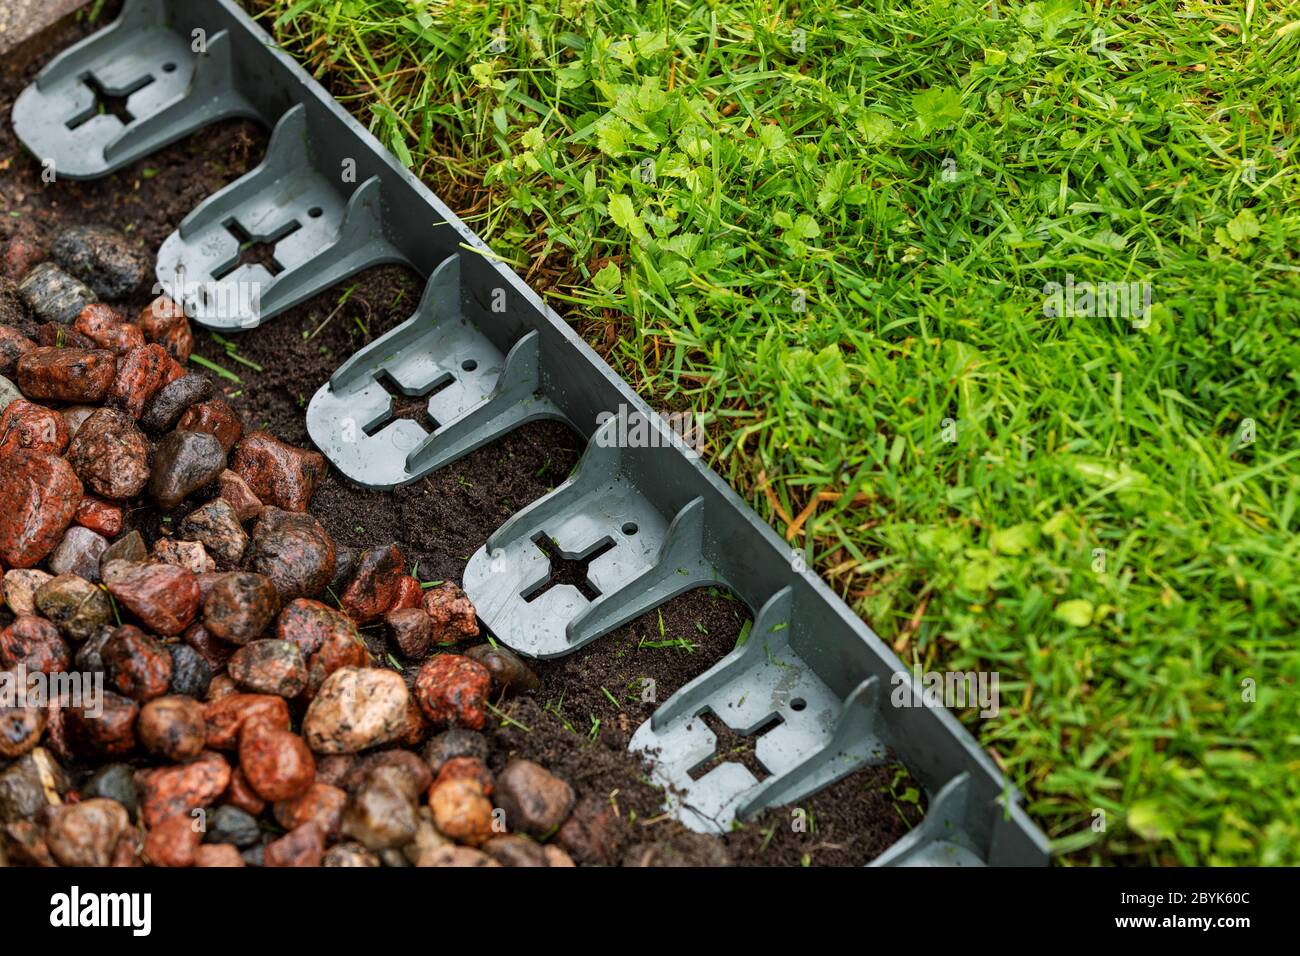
(466, 768)
(138, 664)
(277, 763)
(453, 690)
(212, 649)
(236, 493)
(67, 375)
(411, 629)
(173, 842)
(106, 328)
(226, 717)
(214, 417)
(34, 643)
(303, 846)
(107, 730)
(293, 550)
(178, 790)
(140, 374)
(13, 344)
(20, 255)
(409, 594)
(34, 427)
(375, 587)
(218, 855)
(99, 516)
(326, 637)
(164, 597)
(279, 474)
(164, 322)
(38, 499)
(454, 617)
(320, 803)
(110, 455)
(240, 794)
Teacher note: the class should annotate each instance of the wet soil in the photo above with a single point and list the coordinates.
(579, 722)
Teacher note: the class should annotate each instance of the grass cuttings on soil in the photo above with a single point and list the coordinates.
(827, 229)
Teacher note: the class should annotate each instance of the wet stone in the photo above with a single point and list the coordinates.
(163, 597)
(114, 781)
(137, 663)
(236, 493)
(184, 462)
(79, 553)
(38, 500)
(453, 614)
(24, 425)
(270, 667)
(34, 644)
(86, 833)
(190, 555)
(130, 547)
(411, 774)
(355, 709)
(100, 517)
(215, 417)
(171, 401)
(303, 846)
(453, 690)
(8, 393)
(74, 605)
(79, 376)
(20, 257)
(20, 728)
(509, 673)
(227, 824)
(172, 842)
(104, 731)
(373, 589)
(461, 810)
(107, 329)
(279, 474)
(241, 607)
(19, 589)
(535, 801)
(217, 855)
(411, 630)
(103, 258)
(141, 372)
(12, 346)
(349, 855)
(294, 551)
(172, 727)
(226, 717)
(51, 335)
(164, 323)
(276, 763)
(216, 526)
(24, 792)
(178, 790)
(211, 650)
(457, 742)
(511, 849)
(191, 673)
(54, 295)
(110, 455)
(380, 815)
(321, 804)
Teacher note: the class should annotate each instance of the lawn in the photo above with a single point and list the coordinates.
(836, 233)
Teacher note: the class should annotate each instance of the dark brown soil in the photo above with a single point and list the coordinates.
(590, 703)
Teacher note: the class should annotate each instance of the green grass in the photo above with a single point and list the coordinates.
(840, 262)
